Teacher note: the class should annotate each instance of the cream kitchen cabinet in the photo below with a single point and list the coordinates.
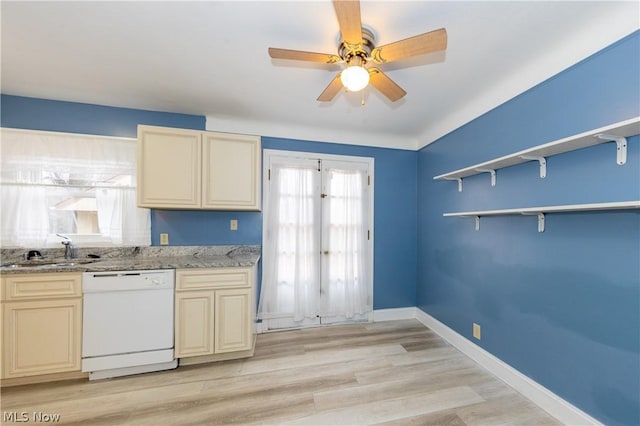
(215, 313)
(41, 324)
(230, 171)
(188, 169)
(233, 320)
(194, 323)
(169, 168)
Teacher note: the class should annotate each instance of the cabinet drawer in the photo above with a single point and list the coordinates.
(39, 286)
(192, 279)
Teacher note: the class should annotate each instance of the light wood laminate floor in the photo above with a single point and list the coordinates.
(391, 373)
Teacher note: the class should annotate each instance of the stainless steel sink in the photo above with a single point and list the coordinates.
(74, 262)
(52, 263)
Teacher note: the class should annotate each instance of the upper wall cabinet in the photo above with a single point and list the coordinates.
(169, 168)
(188, 169)
(230, 171)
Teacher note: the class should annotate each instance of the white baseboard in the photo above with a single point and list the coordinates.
(394, 314)
(543, 397)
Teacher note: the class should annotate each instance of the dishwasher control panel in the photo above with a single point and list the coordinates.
(128, 280)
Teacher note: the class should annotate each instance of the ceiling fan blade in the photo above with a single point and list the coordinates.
(331, 90)
(300, 55)
(348, 13)
(384, 84)
(432, 41)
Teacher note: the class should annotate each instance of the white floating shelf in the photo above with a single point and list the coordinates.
(617, 133)
(541, 211)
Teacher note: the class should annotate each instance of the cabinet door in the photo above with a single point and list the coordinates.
(41, 337)
(233, 320)
(231, 172)
(169, 167)
(194, 323)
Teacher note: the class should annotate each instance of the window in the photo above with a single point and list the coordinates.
(81, 186)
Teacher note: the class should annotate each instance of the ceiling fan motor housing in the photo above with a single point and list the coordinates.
(358, 54)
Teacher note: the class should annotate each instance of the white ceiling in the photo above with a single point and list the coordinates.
(210, 58)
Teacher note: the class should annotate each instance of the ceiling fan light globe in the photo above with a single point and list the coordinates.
(354, 78)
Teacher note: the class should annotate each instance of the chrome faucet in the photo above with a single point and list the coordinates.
(68, 247)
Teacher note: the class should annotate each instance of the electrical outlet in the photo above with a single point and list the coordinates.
(164, 239)
(476, 331)
(233, 225)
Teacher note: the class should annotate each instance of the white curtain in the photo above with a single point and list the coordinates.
(46, 177)
(24, 216)
(119, 219)
(290, 267)
(346, 285)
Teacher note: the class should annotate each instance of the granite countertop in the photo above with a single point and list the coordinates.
(136, 258)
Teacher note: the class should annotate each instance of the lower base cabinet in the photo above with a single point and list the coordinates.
(194, 323)
(41, 324)
(41, 319)
(233, 328)
(215, 312)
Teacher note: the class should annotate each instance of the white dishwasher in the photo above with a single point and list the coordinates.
(127, 325)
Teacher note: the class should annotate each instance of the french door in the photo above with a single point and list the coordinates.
(317, 240)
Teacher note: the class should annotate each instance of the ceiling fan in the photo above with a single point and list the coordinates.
(357, 50)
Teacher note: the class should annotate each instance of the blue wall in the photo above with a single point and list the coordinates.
(57, 116)
(562, 306)
(395, 209)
